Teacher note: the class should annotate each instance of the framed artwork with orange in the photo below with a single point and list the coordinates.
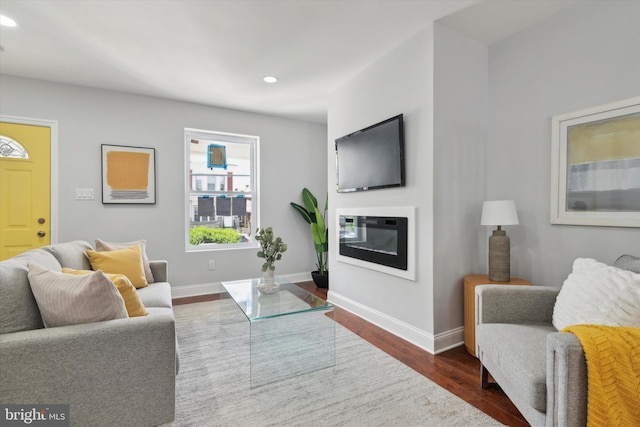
(128, 175)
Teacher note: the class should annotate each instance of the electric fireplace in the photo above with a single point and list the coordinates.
(376, 239)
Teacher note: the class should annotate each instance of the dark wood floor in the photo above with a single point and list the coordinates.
(456, 370)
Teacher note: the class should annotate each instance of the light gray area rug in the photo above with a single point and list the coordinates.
(366, 387)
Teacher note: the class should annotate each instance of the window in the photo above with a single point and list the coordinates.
(12, 148)
(222, 196)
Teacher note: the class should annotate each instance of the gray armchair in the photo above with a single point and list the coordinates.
(530, 360)
(541, 370)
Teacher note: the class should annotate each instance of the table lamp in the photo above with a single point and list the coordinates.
(499, 212)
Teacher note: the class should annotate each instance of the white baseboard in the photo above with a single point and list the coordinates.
(424, 340)
(195, 290)
(214, 287)
(428, 342)
(450, 339)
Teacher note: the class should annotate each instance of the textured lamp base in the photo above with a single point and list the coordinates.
(499, 256)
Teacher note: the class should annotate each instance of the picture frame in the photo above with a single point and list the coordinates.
(128, 175)
(595, 166)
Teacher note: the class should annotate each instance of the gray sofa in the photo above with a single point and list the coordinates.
(117, 372)
(541, 370)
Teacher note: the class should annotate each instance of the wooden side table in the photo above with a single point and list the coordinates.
(470, 283)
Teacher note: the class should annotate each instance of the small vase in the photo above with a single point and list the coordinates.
(268, 284)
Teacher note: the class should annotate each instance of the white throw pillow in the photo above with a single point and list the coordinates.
(597, 293)
(65, 299)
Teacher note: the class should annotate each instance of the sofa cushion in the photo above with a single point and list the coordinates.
(597, 293)
(156, 295)
(127, 291)
(71, 254)
(516, 355)
(101, 246)
(65, 299)
(18, 308)
(126, 261)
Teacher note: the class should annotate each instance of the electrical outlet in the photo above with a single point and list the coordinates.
(212, 264)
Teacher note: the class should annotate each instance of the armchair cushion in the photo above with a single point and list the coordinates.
(514, 351)
(597, 293)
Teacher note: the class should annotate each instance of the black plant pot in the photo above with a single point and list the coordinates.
(321, 280)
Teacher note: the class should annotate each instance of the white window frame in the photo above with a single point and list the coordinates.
(254, 141)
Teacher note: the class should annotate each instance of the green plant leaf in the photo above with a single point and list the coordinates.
(309, 200)
(316, 220)
(272, 247)
(302, 211)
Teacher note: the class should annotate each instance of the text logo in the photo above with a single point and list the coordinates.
(34, 415)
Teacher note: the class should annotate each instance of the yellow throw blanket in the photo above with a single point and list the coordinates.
(613, 372)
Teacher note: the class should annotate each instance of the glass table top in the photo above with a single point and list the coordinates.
(290, 299)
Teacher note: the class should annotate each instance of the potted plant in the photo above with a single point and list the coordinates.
(271, 249)
(319, 233)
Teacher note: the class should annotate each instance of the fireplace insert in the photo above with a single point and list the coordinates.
(377, 239)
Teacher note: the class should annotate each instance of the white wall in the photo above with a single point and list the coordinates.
(477, 122)
(400, 82)
(292, 156)
(583, 57)
(445, 142)
(461, 105)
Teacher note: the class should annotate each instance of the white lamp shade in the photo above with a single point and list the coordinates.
(499, 212)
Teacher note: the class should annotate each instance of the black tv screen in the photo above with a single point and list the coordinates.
(372, 157)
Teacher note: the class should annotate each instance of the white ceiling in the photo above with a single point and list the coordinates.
(215, 52)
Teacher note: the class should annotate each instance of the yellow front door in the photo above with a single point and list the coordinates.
(25, 188)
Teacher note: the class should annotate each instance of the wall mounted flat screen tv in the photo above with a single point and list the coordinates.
(371, 158)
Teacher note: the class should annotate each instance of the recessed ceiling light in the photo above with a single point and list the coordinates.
(5, 21)
(270, 79)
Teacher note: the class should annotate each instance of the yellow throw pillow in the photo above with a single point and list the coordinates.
(121, 261)
(132, 301)
(102, 246)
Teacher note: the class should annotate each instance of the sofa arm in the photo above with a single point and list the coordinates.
(566, 381)
(160, 270)
(517, 304)
(117, 372)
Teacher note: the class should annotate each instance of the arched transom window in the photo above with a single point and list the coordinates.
(12, 149)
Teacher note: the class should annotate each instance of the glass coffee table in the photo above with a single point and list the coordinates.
(292, 332)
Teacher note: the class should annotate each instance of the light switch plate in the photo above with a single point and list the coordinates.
(84, 193)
